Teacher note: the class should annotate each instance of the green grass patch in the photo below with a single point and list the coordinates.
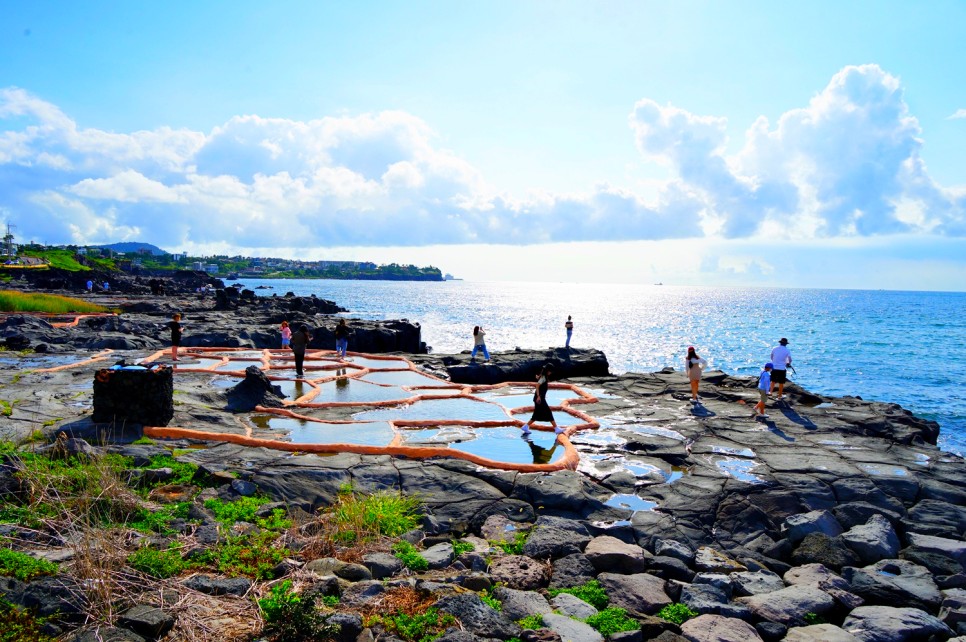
(532, 622)
(62, 259)
(591, 592)
(677, 613)
(245, 509)
(14, 301)
(20, 625)
(250, 555)
(156, 521)
(290, 617)
(410, 556)
(143, 441)
(23, 567)
(612, 620)
(159, 564)
(491, 601)
(419, 627)
(814, 618)
(184, 472)
(6, 408)
(461, 546)
(514, 546)
(386, 513)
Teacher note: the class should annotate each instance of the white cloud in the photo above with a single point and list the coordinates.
(959, 113)
(847, 164)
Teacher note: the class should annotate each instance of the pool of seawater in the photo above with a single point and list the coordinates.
(377, 433)
(293, 389)
(507, 444)
(884, 470)
(42, 361)
(404, 378)
(378, 364)
(652, 430)
(631, 502)
(357, 391)
(438, 409)
(740, 469)
(226, 382)
(204, 364)
(239, 365)
(520, 397)
(251, 355)
(562, 418)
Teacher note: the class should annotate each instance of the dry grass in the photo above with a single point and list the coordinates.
(404, 599)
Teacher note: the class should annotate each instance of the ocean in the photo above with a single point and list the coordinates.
(899, 347)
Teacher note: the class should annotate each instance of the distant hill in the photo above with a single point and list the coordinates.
(133, 247)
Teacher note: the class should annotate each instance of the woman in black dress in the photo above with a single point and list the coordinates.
(541, 409)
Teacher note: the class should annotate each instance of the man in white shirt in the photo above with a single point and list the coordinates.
(781, 358)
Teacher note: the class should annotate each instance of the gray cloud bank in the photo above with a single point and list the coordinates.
(846, 165)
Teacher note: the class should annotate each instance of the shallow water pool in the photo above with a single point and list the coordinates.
(378, 433)
(404, 378)
(357, 391)
(438, 409)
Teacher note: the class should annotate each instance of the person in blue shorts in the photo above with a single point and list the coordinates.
(764, 386)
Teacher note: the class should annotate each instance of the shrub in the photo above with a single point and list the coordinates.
(514, 547)
(532, 622)
(291, 617)
(420, 627)
(676, 613)
(591, 592)
(612, 620)
(410, 556)
(159, 564)
(19, 625)
(23, 567)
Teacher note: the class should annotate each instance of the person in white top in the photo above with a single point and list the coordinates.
(693, 364)
(781, 358)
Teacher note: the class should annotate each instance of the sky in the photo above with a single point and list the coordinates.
(697, 143)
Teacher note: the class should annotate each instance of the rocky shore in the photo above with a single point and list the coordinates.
(835, 519)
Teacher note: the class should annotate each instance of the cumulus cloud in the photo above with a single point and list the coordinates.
(959, 113)
(845, 165)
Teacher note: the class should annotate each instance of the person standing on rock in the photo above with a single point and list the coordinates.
(286, 334)
(176, 329)
(764, 386)
(569, 325)
(781, 357)
(541, 409)
(479, 344)
(300, 341)
(341, 339)
(694, 364)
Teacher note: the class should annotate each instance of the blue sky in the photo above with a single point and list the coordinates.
(703, 142)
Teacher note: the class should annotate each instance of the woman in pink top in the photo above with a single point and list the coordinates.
(286, 335)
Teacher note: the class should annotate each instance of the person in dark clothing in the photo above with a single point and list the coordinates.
(300, 341)
(176, 330)
(541, 409)
(341, 339)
